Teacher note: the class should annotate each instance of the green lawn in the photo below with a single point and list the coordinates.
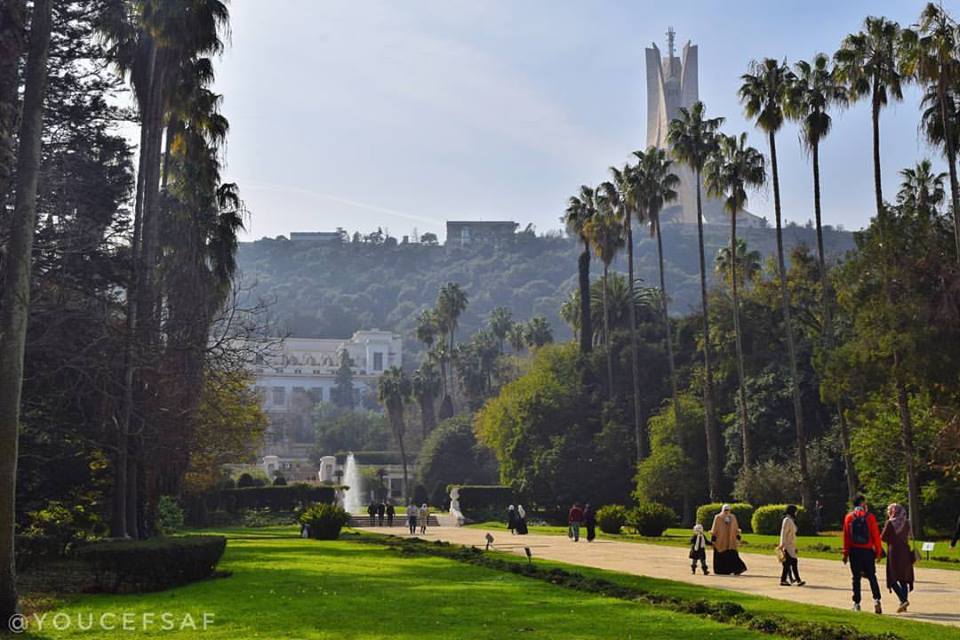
(827, 546)
(285, 587)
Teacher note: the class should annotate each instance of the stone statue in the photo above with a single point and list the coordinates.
(455, 506)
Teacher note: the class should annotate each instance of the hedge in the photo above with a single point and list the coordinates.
(742, 510)
(611, 518)
(323, 521)
(276, 498)
(151, 565)
(484, 502)
(767, 520)
(651, 518)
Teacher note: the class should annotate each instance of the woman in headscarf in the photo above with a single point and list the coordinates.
(896, 533)
(422, 516)
(725, 535)
(590, 522)
(521, 520)
(511, 519)
(788, 546)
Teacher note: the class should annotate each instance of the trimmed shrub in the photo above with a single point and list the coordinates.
(169, 515)
(484, 502)
(651, 518)
(151, 565)
(743, 511)
(276, 498)
(279, 481)
(611, 518)
(324, 521)
(768, 518)
(245, 480)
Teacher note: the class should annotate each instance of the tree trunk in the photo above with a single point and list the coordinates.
(741, 389)
(821, 254)
(586, 326)
(11, 49)
(666, 323)
(714, 457)
(403, 462)
(906, 440)
(851, 471)
(638, 429)
(875, 118)
(606, 333)
(806, 488)
(15, 296)
(951, 162)
(428, 414)
(133, 498)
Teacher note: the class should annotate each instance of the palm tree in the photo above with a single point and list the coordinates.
(605, 232)
(869, 63)
(921, 189)
(692, 138)
(538, 332)
(517, 337)
(930, 56)
(658, 186)
(748, 263)
(394, 389)
(814, 90)
(763, 94)
(451, 303)
(500, 322)
(15, 294)
(425, 386)
(620, 195)
(580, 208)
(728, 172)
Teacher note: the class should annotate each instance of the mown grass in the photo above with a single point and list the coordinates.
(826, 546)
(282, 586)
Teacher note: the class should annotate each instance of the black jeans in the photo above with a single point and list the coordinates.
(863, 564)
(789, 565)
(901, 589)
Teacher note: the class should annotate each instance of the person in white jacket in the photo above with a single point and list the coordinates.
(788, 546)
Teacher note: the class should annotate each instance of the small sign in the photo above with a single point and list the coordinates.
(927, 546)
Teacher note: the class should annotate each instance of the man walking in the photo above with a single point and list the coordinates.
(574, 518)
(862, 548)
(391, 512)
(381, 509)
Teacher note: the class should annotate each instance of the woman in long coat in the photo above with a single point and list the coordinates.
(725, 535)
(521, 521)
(511, 519)
(896, 533)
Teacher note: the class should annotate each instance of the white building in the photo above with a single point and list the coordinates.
(301, 373)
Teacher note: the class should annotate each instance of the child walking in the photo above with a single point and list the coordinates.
(698, 550)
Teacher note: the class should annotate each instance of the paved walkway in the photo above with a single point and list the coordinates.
(936, 597)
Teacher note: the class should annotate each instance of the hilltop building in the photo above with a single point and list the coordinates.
(316, 236)
(461, 233)
(672, 84)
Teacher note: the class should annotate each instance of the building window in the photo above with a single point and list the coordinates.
(465, 236)
(378, 361)
(297, 371)
(279, 395)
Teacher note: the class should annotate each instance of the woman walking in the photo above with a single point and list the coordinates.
(590, 522)
(900, 558)
(725, 535)
(423, 516)
(788, 546)
(521, 521)
(512, 519)
(412, 518)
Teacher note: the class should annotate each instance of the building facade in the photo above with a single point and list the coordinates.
(461, 233)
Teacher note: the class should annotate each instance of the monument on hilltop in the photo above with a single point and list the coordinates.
(671, 85)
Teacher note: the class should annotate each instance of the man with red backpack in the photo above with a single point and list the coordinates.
(862, 548)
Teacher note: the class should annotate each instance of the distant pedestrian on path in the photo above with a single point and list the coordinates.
(698, 550)
(512, 519)
(725, 536)
(818, 516)
(788, 546)
(412, 518)
(423, 516)
(574, 520)
(381, 509)
(862, 548)
(521, 521)
(372, 512)
(391, 512)
(900, 558)
(590, 522)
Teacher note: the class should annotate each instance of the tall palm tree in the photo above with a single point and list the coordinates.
(538, 332)
(693, 137)
(930, 55)
(621, 196)
(15, 293)
(517, 337)
(921, 189)
(605, 231)
(425, 386)
(728, 172)
(580, 208)
(748, 263)
(394, 389)
(451, 303)
(763, 94)
(501, 319)
(868, 62)
(815, 89)
(658, 186)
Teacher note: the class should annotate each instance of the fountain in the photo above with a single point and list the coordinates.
(353, 498)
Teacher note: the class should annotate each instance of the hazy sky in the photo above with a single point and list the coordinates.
(404, 114)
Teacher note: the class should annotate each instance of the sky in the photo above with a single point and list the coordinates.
(402, 115)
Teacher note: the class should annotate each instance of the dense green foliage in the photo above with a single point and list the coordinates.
(611, 518)
(651, 518)
(767, 519)
(483, 502)
(323, 521)
(277, 498)
(450, 455)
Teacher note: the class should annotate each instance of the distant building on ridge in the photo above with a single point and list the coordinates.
(461, 233)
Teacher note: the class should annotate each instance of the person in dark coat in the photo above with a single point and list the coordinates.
(725, 536)
(590, 522)
(512, 519)
(391, 511)
(372, 512)
(698, 550)
(521, 521)
(381, 509)
(896, 533)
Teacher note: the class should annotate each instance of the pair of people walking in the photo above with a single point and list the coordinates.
(377, 511)
(517, 520)
(863, 546)
(581, 517)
